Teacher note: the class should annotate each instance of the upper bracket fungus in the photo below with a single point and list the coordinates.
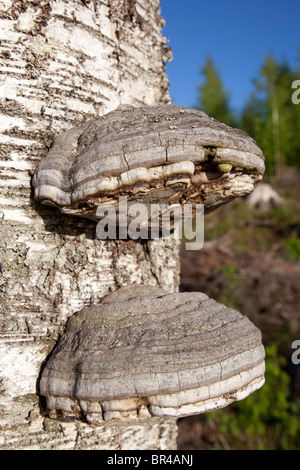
(163, 154)
(142, 352)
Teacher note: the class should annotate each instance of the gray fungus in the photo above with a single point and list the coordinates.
(143, 353)
(164, 154)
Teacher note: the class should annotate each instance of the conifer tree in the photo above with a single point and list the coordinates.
(212, 98)
(271, 118)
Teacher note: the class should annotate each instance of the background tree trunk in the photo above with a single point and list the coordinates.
(63, 62)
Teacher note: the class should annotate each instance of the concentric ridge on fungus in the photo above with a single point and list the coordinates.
(162, 154)
(142, 353)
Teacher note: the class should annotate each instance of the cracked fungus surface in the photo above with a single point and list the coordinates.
(162, 154)
(142, 353)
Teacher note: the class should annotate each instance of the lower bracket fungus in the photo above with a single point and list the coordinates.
(142, 353)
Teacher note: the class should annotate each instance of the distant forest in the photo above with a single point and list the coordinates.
(271, 114)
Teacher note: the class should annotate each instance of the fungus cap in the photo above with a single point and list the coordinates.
(142, 353)
(164, 154)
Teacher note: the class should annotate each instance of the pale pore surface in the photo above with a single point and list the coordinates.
(143, 353)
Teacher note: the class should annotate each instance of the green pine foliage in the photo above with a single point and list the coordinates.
(271, 117)
(213, 99)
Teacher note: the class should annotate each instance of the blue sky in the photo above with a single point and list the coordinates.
(237, 34)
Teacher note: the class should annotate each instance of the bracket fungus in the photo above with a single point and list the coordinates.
(142, 353)
(164, 154)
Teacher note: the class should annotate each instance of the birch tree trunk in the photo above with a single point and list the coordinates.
(63, 62)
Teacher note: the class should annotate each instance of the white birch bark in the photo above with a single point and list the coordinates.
(63, 62)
